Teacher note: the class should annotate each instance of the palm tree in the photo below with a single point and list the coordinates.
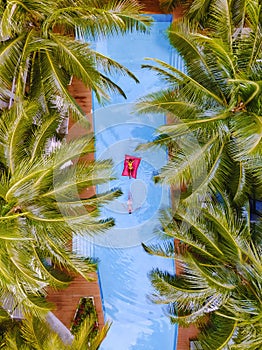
(214, 105)
(41, 208)
(214, 142)
(36, 334)
(219, 289)
(39, 53)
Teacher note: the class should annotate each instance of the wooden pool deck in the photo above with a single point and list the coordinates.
(67, 300)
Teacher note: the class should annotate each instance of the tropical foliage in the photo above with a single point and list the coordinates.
(36, 334)
(40, 204)
(214, 105)
(39, 53)
(214, 142)
(220, 285)
(198, 11)
(86, 308)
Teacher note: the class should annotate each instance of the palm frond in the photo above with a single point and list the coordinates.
(114, 17)
(77, 59)
(70, 181)
(221, 21)
(34, 333)
(41, 135)
(85, 336)
(198, 10)
(253, 11)
(199, 64)
(13, 124)
(247, 136)
(56, 80)
(98, 199)
(165, 250)
(218, 334)
(166, 102)
(187, 300)
(10, 53)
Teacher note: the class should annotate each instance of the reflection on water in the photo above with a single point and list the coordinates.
(137, 323)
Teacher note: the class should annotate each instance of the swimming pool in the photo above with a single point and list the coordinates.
(123, 268)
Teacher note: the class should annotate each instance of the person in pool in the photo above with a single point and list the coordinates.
(129, 203)
(130, 166)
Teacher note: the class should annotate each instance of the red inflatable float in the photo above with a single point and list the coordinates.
(131, 165)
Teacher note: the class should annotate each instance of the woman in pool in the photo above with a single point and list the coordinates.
(130, 166)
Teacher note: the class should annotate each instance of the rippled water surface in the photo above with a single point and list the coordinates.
(123, 269)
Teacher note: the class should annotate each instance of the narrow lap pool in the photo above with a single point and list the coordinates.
(136, 323)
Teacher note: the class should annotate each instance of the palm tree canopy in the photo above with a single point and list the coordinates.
(214, 144)
(198, 11)
(40, 205)
(39, 54)
(220, 285)
(214, 105)
(35, 334)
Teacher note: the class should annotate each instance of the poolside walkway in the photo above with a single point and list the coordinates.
(67, 300)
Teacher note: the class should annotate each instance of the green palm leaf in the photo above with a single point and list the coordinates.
(39, 62)
(220, 294)
(218, 334)
(38, 334)
(34, 226)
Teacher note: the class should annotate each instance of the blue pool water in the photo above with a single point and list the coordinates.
(123, 268)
